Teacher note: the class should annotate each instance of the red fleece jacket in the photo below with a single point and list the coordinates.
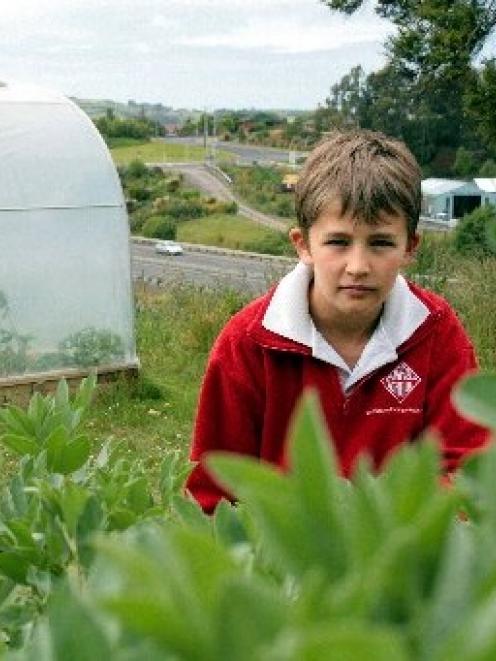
(254, 378)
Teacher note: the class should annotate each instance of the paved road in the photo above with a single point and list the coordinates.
(251, 275)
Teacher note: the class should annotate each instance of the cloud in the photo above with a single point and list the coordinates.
(267, 52)
(289, 37)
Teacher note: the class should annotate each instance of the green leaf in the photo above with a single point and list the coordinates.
(228, 525)
(270, 498)
(370, 515)
(412, 478)
(319, 488)
(85, 392)
(475, 398)
(73, 501)
(475, 638)
(191, 514)
(73, 456)
(351, 641)
(120, 518)
(453, 594)
(14, 566)
(75, 631)
(17, 421)
(250, 616)
(20, 444)
(62, 395)
(55, 443)
(162, 576)
(138, 495)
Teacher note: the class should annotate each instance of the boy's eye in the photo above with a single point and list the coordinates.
(382, 243)
(337, 242)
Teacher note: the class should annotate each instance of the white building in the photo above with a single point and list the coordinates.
(65, 283)
(447, 199)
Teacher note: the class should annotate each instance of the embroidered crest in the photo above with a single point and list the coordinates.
(401, 382)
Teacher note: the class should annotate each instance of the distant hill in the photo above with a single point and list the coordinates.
(160, 113)
(154, 111)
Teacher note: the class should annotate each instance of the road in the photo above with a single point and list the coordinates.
(251, 275)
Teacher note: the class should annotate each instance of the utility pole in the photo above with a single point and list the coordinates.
(214, 136)
(205, 130)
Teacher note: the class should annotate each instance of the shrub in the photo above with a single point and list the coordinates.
(139, 191)
(186, 209)
(218, 207)
(138, 218)
(474, 231)
(285, 207)
(276, 243)
(136, 170)
(159, 227)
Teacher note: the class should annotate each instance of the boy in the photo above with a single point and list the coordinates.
(382, 353)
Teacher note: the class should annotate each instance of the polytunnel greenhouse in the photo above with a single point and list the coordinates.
(65, 281)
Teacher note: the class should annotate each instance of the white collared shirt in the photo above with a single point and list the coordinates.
(288, 315)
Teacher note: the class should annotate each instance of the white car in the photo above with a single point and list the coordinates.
(168, 248)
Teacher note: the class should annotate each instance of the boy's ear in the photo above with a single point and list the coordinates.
(300, 243)
(412, 247)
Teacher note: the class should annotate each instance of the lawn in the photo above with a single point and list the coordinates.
(235, 232)
(158, 152)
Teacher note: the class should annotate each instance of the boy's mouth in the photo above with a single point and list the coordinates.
(363, 288)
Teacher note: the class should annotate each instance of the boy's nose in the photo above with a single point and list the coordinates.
(358, 263)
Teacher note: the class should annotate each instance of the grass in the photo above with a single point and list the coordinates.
(175, 330)
(234, 232)
(156, 151)
(259, 187)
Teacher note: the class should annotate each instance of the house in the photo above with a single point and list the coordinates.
(448, 199)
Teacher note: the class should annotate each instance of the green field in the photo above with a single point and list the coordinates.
(234, 232)
(159, 152)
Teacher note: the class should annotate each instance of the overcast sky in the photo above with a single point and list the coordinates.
(188, 53)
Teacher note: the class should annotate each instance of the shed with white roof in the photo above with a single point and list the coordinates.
(446, 199)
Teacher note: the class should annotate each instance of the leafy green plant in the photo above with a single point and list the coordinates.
(309, 566)
(60, 496)
(160, 227)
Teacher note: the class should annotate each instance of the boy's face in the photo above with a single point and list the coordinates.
(355, 264)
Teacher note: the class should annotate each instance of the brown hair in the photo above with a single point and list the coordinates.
(367, 172)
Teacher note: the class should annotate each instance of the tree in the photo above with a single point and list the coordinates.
(464, 164)
(480, 101)
(430, 59)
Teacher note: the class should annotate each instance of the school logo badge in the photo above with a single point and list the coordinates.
(401, 382)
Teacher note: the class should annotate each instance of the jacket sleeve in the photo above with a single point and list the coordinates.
(230, 411)
(452, 357)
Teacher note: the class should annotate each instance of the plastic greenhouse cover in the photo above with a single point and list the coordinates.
(51, 155)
